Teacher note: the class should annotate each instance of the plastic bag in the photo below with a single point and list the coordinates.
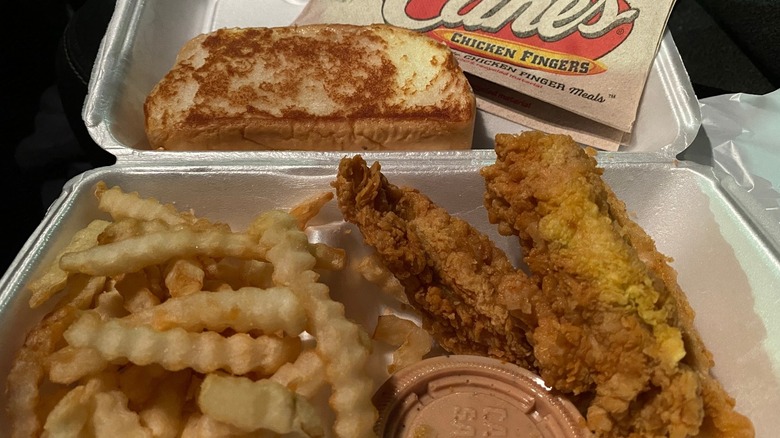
(743, 132)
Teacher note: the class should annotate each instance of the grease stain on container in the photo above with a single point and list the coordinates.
(472, 396)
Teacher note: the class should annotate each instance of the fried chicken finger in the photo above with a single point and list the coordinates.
(451, 273)
(613, 325)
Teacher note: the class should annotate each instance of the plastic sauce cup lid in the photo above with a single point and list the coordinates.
(472, 396)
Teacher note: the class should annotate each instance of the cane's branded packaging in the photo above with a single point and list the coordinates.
(556, 65)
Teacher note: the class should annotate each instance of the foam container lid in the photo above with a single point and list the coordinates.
(143, 39)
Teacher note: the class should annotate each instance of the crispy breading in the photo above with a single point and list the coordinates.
(613, 325)
(449, 270)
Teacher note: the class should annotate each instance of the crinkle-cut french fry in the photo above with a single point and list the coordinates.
(81, 291)
(70, 364)
(136, 253)
(155, 281)
(342, 344)
(24, 394)
(128, 283)
(328, 257)
(305, 376)
(120, 205)
(138, 300)
(110, 304)
(252, 406)
(192, 390)
(154, 254)
(239, 273)
(217, 286)
(134, 288)
(243, 310)
(198, 425)
(162, 414)
(27, 371)
(51, 395)
(412, 341)
(112, 417)
(177, 349)
(373, 270)
(70, 416)
(138, 383)
(184, 276)
(130, 227)
(276, 232)
(393, 330)
(306, 210)
(54, 279)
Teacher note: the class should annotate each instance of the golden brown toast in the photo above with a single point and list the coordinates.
(314, 87)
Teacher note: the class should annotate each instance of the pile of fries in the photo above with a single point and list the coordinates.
(169, 325)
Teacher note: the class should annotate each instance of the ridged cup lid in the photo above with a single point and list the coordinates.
(472, 396)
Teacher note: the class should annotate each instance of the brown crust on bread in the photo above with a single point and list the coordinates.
(318, 87)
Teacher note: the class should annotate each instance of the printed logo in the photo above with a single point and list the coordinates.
(560, 36)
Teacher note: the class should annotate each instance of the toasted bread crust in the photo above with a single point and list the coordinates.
(318, 87)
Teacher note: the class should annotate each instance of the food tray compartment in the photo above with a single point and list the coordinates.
(143, 39)
(727, 270)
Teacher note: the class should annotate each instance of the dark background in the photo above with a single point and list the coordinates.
(48, 47)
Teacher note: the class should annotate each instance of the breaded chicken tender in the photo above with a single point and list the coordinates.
(612, 327)
(450, 272)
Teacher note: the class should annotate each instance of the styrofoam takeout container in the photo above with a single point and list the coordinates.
(729, 272)
(144, 37)
(727, 255)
